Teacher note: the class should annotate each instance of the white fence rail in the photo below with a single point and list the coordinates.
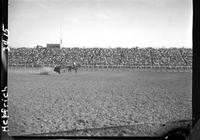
(116, 67)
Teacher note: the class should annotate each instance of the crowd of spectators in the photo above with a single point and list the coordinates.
(101, 56)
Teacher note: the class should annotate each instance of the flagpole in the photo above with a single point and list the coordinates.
(60, 35)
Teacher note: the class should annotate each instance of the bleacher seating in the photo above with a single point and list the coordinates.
(102, 56)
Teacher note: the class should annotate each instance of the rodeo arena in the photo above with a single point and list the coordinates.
(96, 91)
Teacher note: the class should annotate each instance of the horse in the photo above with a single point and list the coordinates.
(73, 67)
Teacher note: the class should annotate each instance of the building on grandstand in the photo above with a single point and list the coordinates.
(53, 46)
(56, 46)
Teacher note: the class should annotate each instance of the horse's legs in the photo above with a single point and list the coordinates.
(75, 69)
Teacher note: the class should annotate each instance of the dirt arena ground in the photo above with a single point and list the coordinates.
(95, 99)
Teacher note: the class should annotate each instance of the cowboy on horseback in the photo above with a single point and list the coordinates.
(74, 64)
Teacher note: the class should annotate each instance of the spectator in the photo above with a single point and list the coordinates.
(101, 56)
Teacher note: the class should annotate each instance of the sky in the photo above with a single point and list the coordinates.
(100, 23)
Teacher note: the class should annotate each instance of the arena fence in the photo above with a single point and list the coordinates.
(114, 67)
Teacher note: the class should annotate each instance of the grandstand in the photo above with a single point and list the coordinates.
(127, 57)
